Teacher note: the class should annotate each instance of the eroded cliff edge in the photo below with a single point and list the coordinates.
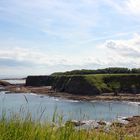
(89, 84)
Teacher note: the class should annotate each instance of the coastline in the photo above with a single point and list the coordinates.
(129, 125)
(49, 92)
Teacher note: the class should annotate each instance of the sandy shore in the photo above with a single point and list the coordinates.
(48, 91)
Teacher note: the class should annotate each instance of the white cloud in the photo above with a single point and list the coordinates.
(63, 19)
(64, 33)
(129, 7)
(124, 52)
(37, 57)
(133, 6)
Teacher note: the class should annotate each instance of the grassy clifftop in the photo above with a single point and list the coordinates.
(89, 84)
(129, 83)
(110, 70)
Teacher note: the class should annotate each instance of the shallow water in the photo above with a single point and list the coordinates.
(18, 81)
(69, 109)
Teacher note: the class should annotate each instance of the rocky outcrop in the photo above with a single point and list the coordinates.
(76, 85)
(89, 84)
(70, 84)
(37, 81)
(4, 83)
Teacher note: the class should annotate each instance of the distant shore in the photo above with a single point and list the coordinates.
(50, 92)
(47, 90)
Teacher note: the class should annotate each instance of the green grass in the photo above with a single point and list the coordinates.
(111, 82)
(17, 128)
(98, 81)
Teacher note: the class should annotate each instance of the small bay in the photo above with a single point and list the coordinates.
(68, 109)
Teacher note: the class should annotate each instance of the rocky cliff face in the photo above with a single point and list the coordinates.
(39, 81)
(75, 85)
(89, 84)
(70, 84)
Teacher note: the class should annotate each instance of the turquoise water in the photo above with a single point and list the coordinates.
(69, 109)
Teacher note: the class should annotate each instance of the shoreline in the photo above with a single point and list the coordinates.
(129, 125)
(49, 92)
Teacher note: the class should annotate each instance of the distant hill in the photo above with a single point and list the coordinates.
(111, 70)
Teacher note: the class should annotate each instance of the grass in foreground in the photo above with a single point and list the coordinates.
(26, 129)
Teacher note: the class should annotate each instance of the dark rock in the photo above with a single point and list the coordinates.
(4, 83)
(71, 84)
(75, 123)
(102, 123)
(37, 81)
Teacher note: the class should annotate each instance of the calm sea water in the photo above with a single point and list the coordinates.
(69, 109)
(21, 81)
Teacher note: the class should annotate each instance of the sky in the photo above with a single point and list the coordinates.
(39, 37)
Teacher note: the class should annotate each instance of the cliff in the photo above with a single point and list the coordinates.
(89, 84)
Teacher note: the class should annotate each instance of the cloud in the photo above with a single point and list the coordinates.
(52, 35)
(124, 52)
(37, 57)
(61, 19)
(130, 48)
(133, 6)
(129, 7)
(26, 55)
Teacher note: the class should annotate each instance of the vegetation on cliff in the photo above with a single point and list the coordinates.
(112, 70)
(89, 84)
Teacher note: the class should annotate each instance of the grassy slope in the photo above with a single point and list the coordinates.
(111, 82)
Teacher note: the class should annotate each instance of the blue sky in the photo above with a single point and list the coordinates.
(43, 36)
